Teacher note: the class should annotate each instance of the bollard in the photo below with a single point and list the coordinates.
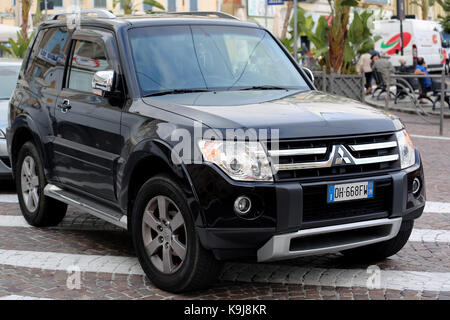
(441, 121)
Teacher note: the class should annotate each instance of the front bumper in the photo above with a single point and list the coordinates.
(328, 239)
(281, 230)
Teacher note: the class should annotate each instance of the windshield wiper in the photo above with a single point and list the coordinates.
(175, 91)
(265, 87)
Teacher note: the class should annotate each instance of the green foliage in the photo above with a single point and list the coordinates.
(155, 4)
(18, 48)
(445, 20)
(359, 39)
(425, 5)
(305, 27)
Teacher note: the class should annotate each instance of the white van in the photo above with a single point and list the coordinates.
(421, 38)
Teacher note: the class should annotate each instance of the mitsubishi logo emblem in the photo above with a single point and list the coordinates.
(342, 156)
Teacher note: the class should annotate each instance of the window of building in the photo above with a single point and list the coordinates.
(171, 5)
(100, 3)
(193, 5)
(58, 3)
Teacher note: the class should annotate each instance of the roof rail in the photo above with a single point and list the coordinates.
(98, 13)
(206, 14)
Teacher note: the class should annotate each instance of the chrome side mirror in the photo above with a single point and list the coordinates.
(102, 82)
(309, 74)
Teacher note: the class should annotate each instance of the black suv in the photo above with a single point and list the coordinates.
(205, 139)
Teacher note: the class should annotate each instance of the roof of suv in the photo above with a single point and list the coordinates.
(153, 19)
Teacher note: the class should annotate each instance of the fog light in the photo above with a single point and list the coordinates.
(416, 186)
(242, 205)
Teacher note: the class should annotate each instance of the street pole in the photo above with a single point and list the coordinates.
(401, 16)
(441, 118)
(46, 13)
(295, 30)
(265, 13)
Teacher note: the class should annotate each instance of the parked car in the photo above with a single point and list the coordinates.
(421, 38)
(9, 72)
(205, 140)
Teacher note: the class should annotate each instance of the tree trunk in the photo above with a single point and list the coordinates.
(127, 7)
(425, 9)
(26, 5)
(337, 37)
(286, 19)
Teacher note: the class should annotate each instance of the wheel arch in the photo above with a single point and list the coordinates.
(23, 131)
(148, 159)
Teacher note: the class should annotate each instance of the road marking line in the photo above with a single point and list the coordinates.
(9, 198)
(430, 235)
(437, 207)
(62, 261)
(418, 235)
(430, 137)
(366, 278)
(16, 297)
(69, 223)
(265, 273)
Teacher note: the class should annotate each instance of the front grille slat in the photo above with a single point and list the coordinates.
(316, 158)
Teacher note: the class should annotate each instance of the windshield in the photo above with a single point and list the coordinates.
(210, 58)
(8, 80)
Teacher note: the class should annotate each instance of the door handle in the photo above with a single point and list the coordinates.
(65, 106)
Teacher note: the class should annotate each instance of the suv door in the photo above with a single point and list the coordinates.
(88, 142)
(40, 85)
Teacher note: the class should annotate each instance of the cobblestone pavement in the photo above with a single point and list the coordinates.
(43, 263)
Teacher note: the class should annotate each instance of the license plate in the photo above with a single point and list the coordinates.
(350, 191)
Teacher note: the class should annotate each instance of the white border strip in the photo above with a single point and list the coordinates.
(65, 261)
(372, 277)
(437, 207)
(16, 297)
(418, 235)
(9, 198)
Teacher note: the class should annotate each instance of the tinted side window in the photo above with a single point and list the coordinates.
(88, 58)
(48, 56)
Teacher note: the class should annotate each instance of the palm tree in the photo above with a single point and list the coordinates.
(337, 37)
(425, 5)
(26, 6)
(445, 20)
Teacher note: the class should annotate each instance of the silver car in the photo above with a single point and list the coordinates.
(9, 71)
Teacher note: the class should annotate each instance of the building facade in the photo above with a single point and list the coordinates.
(271, 16)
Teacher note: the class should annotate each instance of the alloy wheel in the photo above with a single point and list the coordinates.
(164, 234)
(30, 184)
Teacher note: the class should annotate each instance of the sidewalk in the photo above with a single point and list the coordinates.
(407, 107)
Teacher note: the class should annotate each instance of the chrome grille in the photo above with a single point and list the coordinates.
(324, 157)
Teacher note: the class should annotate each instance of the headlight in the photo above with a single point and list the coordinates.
(406, 149)
(2, 134)
(242, 161)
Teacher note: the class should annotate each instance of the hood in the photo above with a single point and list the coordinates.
(3, 114)
(298, 115)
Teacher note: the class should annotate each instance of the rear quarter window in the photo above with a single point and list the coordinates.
(46, 65)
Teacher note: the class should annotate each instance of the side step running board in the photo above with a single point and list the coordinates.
(103, 212)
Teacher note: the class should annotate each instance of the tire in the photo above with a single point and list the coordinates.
(380, 251)
(194, 269)
(37, 209)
